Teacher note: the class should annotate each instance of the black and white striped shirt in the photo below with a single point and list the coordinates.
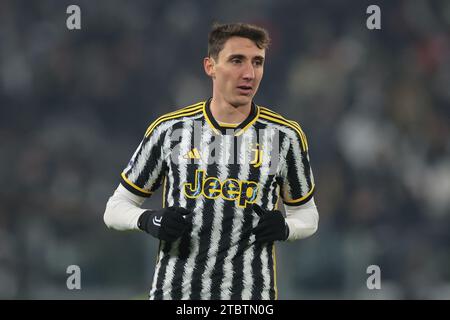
(218, 173)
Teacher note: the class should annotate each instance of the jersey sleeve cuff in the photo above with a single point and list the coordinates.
(302, 200)
(127, 184)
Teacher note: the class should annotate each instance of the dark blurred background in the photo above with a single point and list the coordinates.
(375, 106)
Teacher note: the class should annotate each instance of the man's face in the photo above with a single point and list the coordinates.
(237, 71)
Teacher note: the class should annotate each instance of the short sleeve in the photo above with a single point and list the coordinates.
(145, 171)
(296, 177)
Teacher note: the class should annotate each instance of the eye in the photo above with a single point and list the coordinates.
(258, 63)
(236, 61)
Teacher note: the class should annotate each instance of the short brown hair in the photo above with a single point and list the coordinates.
(220, 33)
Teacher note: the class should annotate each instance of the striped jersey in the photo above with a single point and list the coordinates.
(218, 172)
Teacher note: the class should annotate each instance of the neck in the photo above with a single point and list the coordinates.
(225, 112)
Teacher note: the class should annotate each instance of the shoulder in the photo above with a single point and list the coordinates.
(290, 127)
(170, 119)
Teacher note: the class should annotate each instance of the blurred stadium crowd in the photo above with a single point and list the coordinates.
(375, 106)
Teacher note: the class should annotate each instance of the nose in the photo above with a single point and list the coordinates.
(248, 72)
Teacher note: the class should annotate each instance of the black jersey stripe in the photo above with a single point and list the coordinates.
(293, 179)
(238, 284)
(307, 169)
(180, 176)
(183, 244)
(245, 249)
(153, 163)
(224, 244)
(159, 180)
(258, 265)
(272, 186)
(157, 289)
(233, 267)
(269, 186)
(166, 252)
(204, 244)
(172, 200)
(258, 280)
(226, 228)
(263, 282)
(275, 197)
(176, 167)
(211, 281)
(273, 293)
(191, 278)
(270, 189)
(171, 249)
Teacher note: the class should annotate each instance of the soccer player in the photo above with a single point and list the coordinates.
(223, 163)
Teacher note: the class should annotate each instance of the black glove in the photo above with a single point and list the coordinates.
(166, 224)
(271, 226)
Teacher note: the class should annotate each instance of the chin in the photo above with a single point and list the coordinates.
(241, 101)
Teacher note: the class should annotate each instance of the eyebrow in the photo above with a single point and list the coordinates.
(241, 56)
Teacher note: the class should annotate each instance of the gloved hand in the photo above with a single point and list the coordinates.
(166, 224)
(271, 226)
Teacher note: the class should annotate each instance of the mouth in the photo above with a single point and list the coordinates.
(246, 90)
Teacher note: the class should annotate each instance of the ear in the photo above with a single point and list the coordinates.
(209, 65)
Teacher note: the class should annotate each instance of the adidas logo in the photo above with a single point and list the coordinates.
(193, 154)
